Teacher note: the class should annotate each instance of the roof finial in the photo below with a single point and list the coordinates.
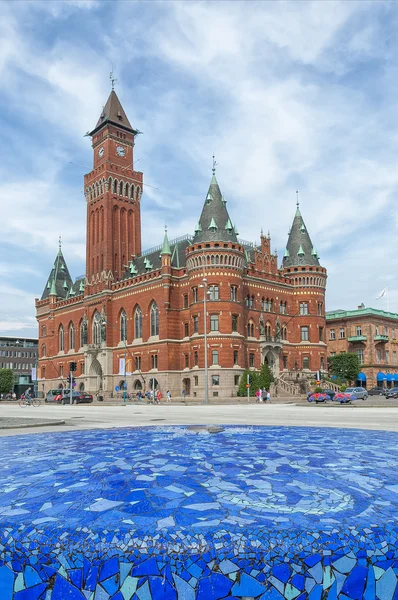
(165, 228)
(112, 78)
(214, 164)
(297, 200)
(59, 242)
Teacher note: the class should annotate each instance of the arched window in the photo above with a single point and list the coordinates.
(138, 323)
(250, 329)
(123, 326)
(43, 372)
(43, 350)
(115, 186)
(96, 328)
(43, 331)
(126, 190)
(284, 332)
(83, 332)
(121, 188)
(71, 337)
(154, 319)
(132, 192)
(61, 337)
(268, 331)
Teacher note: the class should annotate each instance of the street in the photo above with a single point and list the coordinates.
(97, 416)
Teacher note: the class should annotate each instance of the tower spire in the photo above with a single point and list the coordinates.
(166, 245)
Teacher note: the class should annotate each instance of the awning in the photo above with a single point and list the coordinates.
(381, 376)
(390, 377)
(361, 376)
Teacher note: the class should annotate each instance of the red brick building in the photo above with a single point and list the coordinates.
(147, 307)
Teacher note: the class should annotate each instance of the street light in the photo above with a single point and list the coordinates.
(204, 286)
(103, 320)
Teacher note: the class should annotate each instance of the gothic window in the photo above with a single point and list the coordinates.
(131, 196)
(138, 323)
(195, 294)
(61, 339)
(154, 319)
(268, 331)
(121, 188)
(43, 350)
(126, 190)
(43, 331)
(96, 328)
(284, 332)
(263, 304)
(115, 186)
(250, 329)
(83, 332)
(123, 326)
(71, 337)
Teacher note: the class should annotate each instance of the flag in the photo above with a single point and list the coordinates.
(382, 293)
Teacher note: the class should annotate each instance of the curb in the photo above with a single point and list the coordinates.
(26, 425)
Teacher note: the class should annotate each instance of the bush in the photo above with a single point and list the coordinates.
(343, 388)
(253, 378)
(6, 381)
(317, 390)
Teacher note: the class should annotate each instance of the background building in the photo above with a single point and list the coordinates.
(372, 334)
(20, 355)
(141, 314)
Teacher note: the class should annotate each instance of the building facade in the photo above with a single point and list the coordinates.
(20, 355)
(373, 335)
(141, 314)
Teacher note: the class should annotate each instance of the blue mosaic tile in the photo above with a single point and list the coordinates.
(251, 512)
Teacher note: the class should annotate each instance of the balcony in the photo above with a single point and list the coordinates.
(381, 338)
(357, 338)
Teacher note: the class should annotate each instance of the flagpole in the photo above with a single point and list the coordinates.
(388, 301)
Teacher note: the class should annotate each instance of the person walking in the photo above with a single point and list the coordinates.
(264, 395)
(268, 396)
(258, 395)
(183, 393)
(168, 396)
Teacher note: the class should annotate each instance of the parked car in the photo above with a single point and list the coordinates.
(357, 393)
(77, 397)
(330, 393)
(393, 393)
(54, 395)
(378, 391)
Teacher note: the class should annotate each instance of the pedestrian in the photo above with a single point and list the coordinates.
(14, 396)
(183, 393)
(258, 395)
(268, 396)
(158, 396)
(263, 395)
(168, 396)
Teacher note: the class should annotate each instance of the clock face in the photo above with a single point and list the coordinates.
(101, 152)
(120, 151)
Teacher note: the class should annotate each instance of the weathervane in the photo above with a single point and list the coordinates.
(113, 80)
(297, 200)
(214, 165)
(60, 242)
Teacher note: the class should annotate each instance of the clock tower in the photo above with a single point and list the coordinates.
(113, 192)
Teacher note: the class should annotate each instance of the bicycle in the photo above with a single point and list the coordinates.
(32, 402)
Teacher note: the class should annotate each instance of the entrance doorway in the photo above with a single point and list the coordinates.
(186, 386)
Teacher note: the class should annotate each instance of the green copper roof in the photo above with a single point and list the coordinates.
(299, 248)
(212, 226)
(166, 245)
(53, 291)
(360, 312)
(81, 286)
(59, 281)
(132, 268)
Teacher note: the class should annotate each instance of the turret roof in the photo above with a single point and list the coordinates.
(299, 249)
(59, 280)
(214, 223)
(113, 112)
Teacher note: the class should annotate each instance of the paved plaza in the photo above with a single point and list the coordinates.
(361, 416)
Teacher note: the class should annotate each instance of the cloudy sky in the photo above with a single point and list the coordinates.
(288, 95)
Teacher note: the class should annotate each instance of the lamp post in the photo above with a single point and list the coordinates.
(204, 286)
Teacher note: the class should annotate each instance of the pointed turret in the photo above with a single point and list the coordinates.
(214, 224)
(59, 281)
(166, 245)
(113, 112)
(299, 250)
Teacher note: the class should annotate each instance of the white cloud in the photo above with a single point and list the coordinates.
(264, 85)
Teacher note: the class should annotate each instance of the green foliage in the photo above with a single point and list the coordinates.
(345, 365)
(264, 377)
(343, 387)
(242, 390)
(317, 390)
(6, 381)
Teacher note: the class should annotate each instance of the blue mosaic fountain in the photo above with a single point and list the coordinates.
(181, 513)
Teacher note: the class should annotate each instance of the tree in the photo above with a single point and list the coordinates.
(265, 377)
(345, 365)
(253, 377)
(6, 381)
